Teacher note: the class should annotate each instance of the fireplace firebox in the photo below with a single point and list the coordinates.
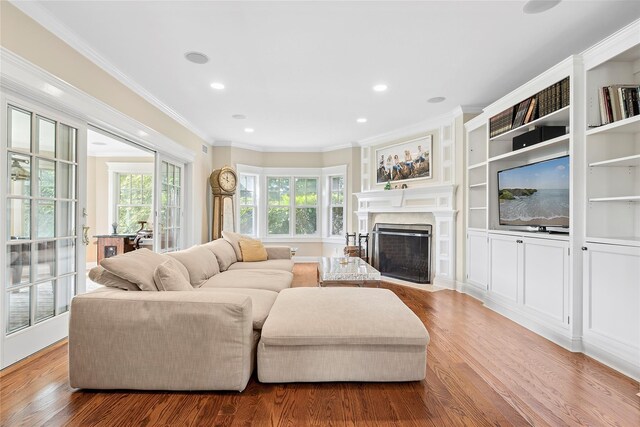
(403, 251)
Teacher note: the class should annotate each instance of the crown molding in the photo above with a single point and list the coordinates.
(277, 149)
(39, 14)
(25, 79)
(427, 125)
(615, 44)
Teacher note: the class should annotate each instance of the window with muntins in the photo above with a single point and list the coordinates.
(248, 205)
(135, 195)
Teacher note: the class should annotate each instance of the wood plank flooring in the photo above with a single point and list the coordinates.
(482, 369)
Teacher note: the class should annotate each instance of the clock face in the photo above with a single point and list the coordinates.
(227, 181)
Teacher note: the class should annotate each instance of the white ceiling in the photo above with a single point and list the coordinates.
(102, 145)
(302, 72)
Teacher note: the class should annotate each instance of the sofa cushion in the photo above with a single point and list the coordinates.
(136, 266)
(234, 241)
(261, 302)
(272, 264)
(168, 277)
(223, 252)
(252, 250)
(199, 262)
(104, 277)
(349, 316)
(271, 280)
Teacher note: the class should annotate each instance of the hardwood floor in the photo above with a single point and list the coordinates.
(482, 369)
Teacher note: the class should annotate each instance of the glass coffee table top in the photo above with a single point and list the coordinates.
(354, 270)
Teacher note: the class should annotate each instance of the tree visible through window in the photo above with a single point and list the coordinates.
(248, 204)
(135, 193)
(278, 200)
(306, 202)
(336, 208)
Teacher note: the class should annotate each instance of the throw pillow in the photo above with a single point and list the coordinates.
(102, 277)
(234, 239)
(200, 263)
(169, 278)
(253, 250)
(223, 252)
(136, 266)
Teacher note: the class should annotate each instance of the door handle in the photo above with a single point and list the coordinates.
(85, 235)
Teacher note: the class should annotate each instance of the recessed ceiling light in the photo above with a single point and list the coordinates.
(217, 86)
(380, 88)
(196, 57)
(239, 116)
(98, 143)
(538, 6)
(362, 120)
(248, 130)
(436, 99)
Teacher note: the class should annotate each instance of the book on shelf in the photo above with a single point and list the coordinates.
(531, 111)
(618, 102)
(501, 122)
(523, 107)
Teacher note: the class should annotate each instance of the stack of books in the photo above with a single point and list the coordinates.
(545, 102)
(618, 102)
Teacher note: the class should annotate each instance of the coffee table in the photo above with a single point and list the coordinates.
(335, 271)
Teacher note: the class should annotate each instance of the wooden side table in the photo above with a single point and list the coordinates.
(114, 244)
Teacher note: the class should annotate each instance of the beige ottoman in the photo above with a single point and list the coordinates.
(341, 334)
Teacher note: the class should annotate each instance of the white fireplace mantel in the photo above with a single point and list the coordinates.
(438, 200)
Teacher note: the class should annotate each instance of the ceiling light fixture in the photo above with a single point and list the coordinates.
(436, 99)
(538, 6)
(361, 120)
(248, 130)
(196, 57)
(380, 87)
(239, 116)
(217, 86)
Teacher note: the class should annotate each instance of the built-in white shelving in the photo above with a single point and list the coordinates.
(549, 146)
(480, 184)
(616, 199)
(479, 208)
(627, 161)
(630, 125)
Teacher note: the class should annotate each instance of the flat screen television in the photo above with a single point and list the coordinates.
(535, 195)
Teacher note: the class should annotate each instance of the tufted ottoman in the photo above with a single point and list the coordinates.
(341, 334)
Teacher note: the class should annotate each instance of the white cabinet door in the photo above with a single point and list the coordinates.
(612, 296)
(546, 278)
(477, 258)
(503, 266)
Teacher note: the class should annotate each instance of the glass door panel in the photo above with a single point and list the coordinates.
(170, 209)
(42, 257)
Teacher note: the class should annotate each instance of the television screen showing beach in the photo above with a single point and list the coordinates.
(535, 194)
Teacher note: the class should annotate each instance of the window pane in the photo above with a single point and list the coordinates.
(67, 143)
(247, 190)
(46, 137)
(20, 175)
(20, 129)
(19, 309)
(19, 261)
(66, 225)
(177, 176)
(44, 301)
(147, 188)
(246, 220)
(46, 219)
(67, 177)
(66, 256)
(337, 221)
(19, 212)
(278, 191)
(278, 221)
(306, 220)
(65, 289)
(45, 260)
(129, 216)
(46, 173)
(306, 191)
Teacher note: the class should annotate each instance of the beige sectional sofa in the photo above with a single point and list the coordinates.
(227, 315)
(121, 337)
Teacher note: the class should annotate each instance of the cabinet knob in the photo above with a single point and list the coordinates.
(584, 248)
(519, 241)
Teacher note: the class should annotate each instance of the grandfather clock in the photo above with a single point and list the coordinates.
(223, 184)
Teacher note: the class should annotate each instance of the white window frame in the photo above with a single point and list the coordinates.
(116, 168)
(331, 205)
(254, 206)
(323, 207)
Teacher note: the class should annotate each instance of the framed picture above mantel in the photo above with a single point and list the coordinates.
(406, 161)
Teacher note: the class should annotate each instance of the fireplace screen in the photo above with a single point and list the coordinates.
(403, 251)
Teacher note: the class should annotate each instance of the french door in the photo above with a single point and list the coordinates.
(41, 234)
(169, 214)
